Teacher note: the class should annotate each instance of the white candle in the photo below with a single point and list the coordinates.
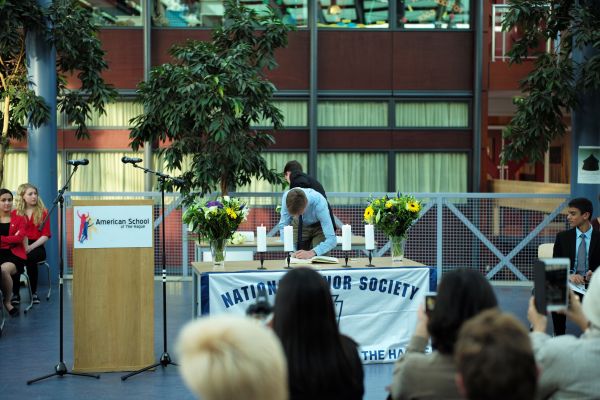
(346, 237)
(261, 239)
(288, 238)
(369, 237)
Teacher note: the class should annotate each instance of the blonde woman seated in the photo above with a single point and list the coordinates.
(229, 357)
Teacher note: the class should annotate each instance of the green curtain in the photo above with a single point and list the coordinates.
(106, 173)
(353, 114)
(295, 114)
(431, 172)
(117, 115)
(16, 169)
(352, 172)
(432, 115)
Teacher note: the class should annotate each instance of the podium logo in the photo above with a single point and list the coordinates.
(85, 223)
(339, 304)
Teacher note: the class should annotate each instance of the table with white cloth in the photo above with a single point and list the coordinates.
(376, 306)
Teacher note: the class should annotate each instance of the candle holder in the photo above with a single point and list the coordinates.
(288, 261)
(370, 264)
(262, 260)
(346, 259)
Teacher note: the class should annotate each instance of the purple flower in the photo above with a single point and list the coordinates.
(214, 203)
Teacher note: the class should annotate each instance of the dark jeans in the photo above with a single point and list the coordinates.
(33, 257)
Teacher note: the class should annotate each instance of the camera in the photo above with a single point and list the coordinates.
(430, 302)
(261, 309)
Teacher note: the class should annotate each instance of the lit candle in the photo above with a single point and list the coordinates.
(288, 238)
(261, 239)
(346, 237)
(369, 237)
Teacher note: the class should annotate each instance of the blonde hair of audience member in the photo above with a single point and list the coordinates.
(494, 358)
(227, 357)
(26, 189)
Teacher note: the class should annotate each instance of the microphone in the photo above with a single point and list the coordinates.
(130, 160)
(75, 163)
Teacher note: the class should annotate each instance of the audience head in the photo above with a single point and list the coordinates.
(580, 211)
(591, 302)
(296, 202)
(227, 357)
(462, 294)
(494, 358)
(304, 318)
(303, 307)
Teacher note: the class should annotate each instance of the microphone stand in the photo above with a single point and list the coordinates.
(165, 358)
(60, 369)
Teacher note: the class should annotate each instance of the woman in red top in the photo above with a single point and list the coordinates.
(12, 248)
(31, 207)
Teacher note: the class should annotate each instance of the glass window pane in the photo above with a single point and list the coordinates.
(116, 13)
(432, 114)
(431, 172)
(276, 161)
(352, 172)
(117, 115)
(106, 173)
(354, 14)
(16, 169)
(294, 114)
(434, 14)
(353, 114)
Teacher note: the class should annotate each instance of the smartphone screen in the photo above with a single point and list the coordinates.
(430, 302)
(557, 275)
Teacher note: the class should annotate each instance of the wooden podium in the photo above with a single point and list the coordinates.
(113, 287)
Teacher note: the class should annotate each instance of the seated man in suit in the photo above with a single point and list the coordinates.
(296, 178)
(580, 244)
(311, 219)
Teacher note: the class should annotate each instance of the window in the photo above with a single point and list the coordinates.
(16, 169)
(352, 114)
(276, 161)
(117, 115)
(431, 172)
(353, 172)
(295, 114)
(119, 13)
(107, 173)
(432, 114)
(434, 14)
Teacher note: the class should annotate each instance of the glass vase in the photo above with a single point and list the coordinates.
(397, 248)
(217, 251)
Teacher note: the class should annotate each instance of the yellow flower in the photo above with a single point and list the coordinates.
(413, 206)
(368, 213)
(231, 213)
(388, 204)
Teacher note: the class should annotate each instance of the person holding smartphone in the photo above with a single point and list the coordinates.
(569, 364)
(580, 244)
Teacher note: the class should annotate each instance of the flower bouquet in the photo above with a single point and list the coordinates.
(393, 216)
(216, 221)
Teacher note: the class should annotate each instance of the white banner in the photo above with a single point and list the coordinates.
(377, 307)
(99, 227)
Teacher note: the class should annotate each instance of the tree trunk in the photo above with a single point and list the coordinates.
(224, 187)
(3, 148)
(4, 141)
